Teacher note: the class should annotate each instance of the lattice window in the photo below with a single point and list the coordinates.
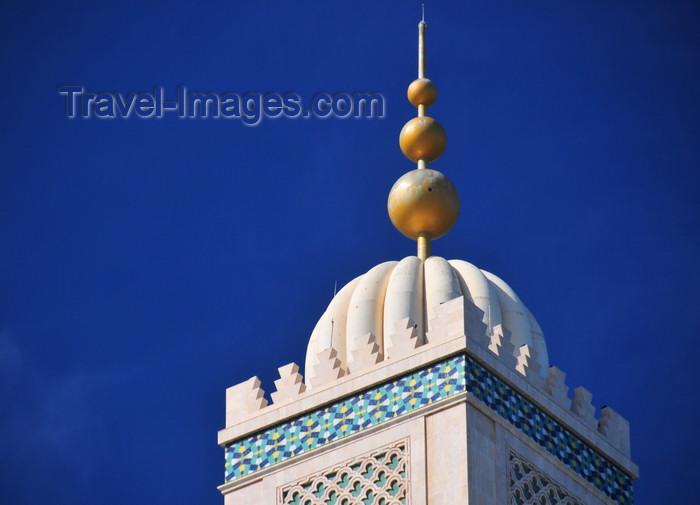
(529, 486)
(378, 478)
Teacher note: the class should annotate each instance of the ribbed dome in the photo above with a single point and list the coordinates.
(391, 291)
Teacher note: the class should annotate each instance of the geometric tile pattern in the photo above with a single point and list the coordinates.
(528, 486)
(548, 433)
(414, 391)
(378, 478)
(341, 419)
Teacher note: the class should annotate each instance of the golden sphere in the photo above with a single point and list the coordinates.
(423, 201)
(422, 92)
(423, 138)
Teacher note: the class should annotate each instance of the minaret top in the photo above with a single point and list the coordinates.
(423, 204)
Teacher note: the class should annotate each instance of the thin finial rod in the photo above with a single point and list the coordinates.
(422, 11)
(421, 49)
(335, 291)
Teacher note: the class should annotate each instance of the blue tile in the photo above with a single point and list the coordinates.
(413, 391)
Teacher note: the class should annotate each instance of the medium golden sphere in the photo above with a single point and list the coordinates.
(422, 92)
(423, 201)
(423, 138)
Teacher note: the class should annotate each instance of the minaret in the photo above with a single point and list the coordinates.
(427, 382)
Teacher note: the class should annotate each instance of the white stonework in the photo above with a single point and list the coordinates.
(449, 388)
(289, 385)
(393, 291)
(243, 400)
(382, 475)
(269, 486)
(529, 486)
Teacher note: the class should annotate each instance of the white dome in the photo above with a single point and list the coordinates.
(391, 291)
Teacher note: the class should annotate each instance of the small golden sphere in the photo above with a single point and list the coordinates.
(423, 138)
(423, 201)
(422, 92)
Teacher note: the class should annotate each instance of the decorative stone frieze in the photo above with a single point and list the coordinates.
(405, 340)
(366, 354)
(243, 400)
(528, 365)
(290, 384)
(616, 429)
(556, 388)
(328, 368)
(501, 345)
(583, 407)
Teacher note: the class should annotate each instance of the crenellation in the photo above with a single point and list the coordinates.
(328, 369)
(246, 399)
(366, 354)
(243, 400)
(583, 407)
(501, 346)
(556, 388)
(289, 385)
(477, 330)
(529, 366)
(405, 340)
(449, 321)
(616, 429)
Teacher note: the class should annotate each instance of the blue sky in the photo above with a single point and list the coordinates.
(148, 264)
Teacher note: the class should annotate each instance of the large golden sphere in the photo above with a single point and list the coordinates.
(423, 138)
(422, 92)
(423, 201)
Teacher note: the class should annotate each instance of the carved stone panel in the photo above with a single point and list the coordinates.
(377, 478)
(529, 486)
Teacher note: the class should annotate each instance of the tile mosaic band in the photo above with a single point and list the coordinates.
(409, 393)
(548, 433)
(344, 418)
